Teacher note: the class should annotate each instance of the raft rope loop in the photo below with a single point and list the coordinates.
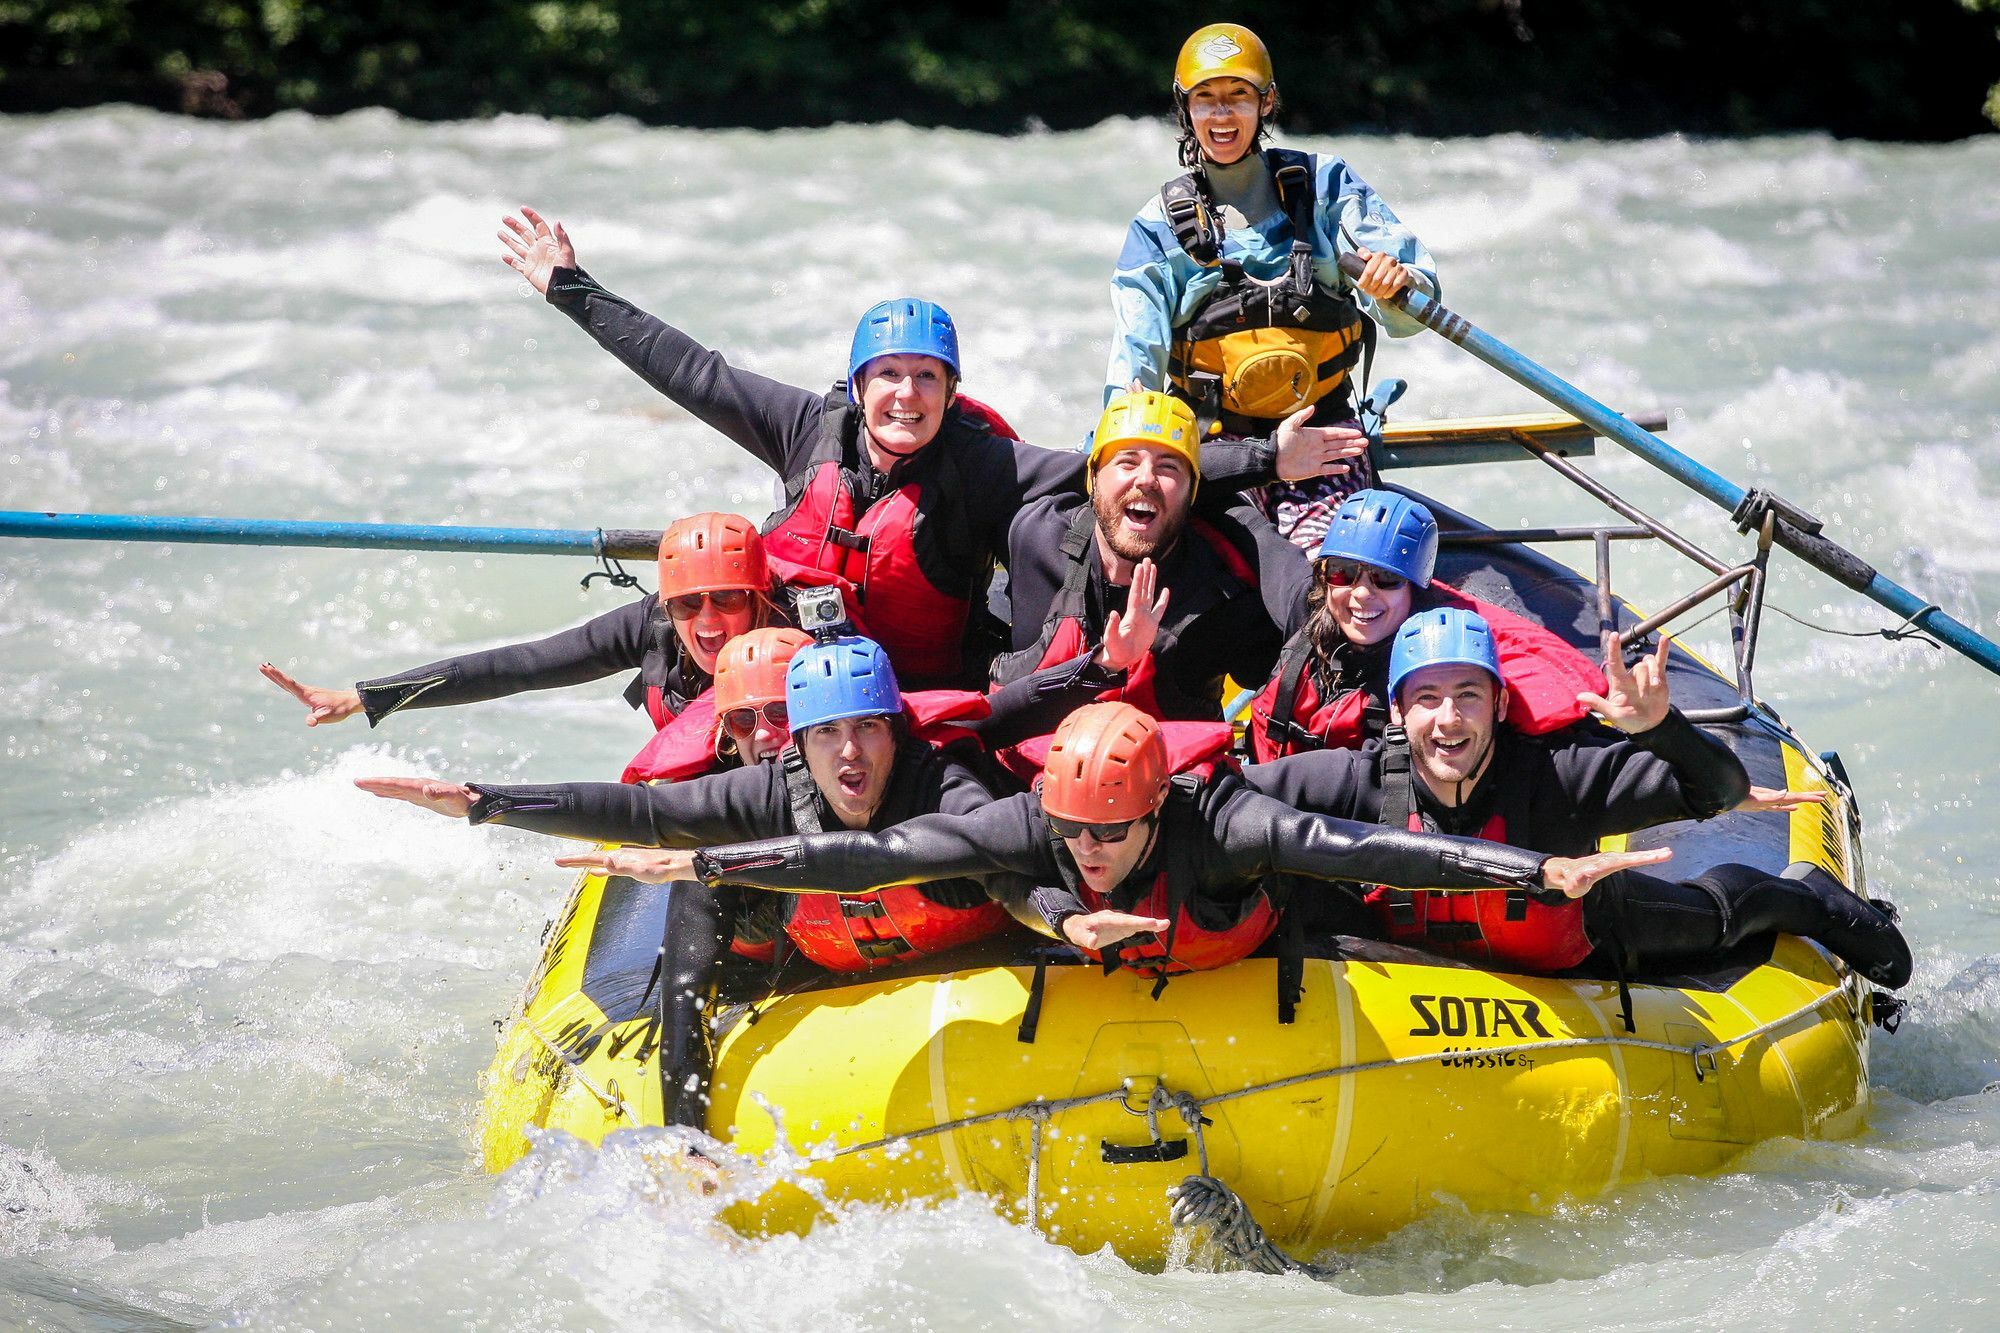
(1202, 1202)
(612, 1100)
(608, 567)
(1205, 1201)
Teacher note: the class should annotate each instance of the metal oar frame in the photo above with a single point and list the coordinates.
(1743, 584)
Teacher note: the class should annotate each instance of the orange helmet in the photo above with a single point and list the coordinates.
(709, 553)
(1107, 763)
(750, 669)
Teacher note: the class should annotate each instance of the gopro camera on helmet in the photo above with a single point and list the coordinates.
(822, 613)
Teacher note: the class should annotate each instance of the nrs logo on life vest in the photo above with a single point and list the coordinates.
(1477, 1016)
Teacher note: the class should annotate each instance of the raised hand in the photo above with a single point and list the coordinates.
(1315, 451)
(1098, 930)
(648, 865)
(535, 248)
(1636, 699)
(1574, 876)
(322, 705)
(433, 794)
(1784, 802)
(1129, 635)
(1383, 277)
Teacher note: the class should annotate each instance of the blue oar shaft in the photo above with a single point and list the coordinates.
(291, 532)
(1822, 553)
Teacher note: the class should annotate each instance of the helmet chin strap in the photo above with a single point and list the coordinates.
(1478, 771)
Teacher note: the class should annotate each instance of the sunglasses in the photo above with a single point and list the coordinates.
(743, 721)
(729, 601)
(1345, 574)
(1070, 828)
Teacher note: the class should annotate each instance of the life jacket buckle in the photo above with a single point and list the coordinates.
(876, 950)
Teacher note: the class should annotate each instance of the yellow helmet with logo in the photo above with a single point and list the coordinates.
(1146, 418)
(1223, 51)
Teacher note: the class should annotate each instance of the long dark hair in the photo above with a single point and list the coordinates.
(1322, 631)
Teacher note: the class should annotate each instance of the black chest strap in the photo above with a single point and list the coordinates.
(1398, 804)
(1285, 730)
(801, 792)
(1291, 172)
(1191, 216)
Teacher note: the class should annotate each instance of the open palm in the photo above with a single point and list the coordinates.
(536, 248)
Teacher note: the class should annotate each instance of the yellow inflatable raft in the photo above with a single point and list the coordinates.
(1404, 1080)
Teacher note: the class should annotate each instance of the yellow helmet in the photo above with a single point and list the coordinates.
(1147, 418)
(1223, 51)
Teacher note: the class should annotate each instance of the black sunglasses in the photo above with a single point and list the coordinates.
(728, 601)
(1346, 573)
(1070, 828)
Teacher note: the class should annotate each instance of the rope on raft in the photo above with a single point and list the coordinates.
(1202, 1201)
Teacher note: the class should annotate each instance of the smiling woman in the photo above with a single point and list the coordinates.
(892, 481)
(1228, 289)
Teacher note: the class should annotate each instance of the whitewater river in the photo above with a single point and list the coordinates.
(243, 1008)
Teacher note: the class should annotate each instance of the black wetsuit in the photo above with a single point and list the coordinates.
(1561, 793)
(1218, 623)
(962, 528)
(634, 637)
(1233, 839)
(753, 802)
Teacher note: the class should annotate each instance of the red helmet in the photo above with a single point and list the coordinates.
(711, 553)
(1107, 763)
(750, 669)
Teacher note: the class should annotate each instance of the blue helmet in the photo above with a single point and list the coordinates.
(1448, 634)
(905, 325)
(1386, 531)
(850, 677)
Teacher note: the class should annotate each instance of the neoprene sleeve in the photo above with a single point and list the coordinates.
(602, 646)
(1248, 836)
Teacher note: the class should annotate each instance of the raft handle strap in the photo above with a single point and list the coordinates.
(1031, 1013)
(1886, 1010)
(1166, 1150)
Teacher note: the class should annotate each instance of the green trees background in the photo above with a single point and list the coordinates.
(1900, 69)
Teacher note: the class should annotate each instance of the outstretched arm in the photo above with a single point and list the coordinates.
(601, 646)
(742, 803)
(773, 421)
(322, 704)
(1275, 838)
(996, 839)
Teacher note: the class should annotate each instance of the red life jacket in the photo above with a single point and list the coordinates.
(1196, 751)
(683, 748)
(920, 625)
(1544, 675)
(985, 416)
(856, 932)
(655, 688)
(1064, 635)
(1506, 928)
